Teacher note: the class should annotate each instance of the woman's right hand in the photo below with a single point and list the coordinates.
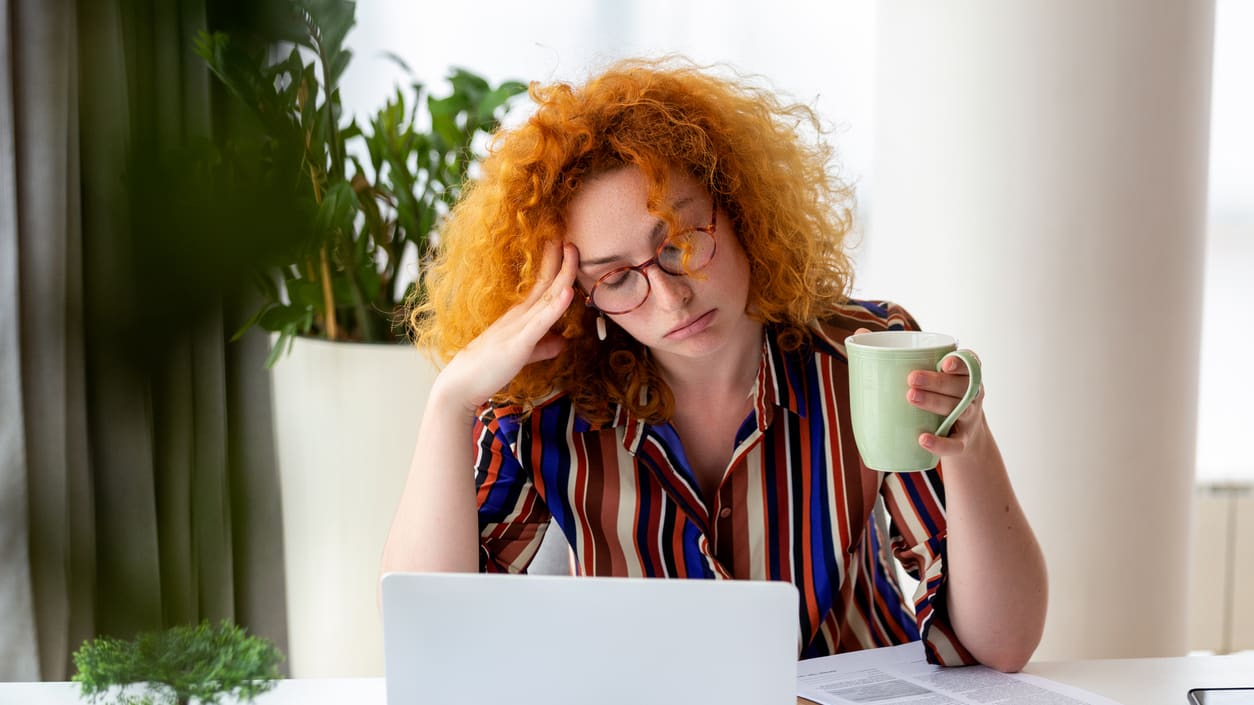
(519, 337)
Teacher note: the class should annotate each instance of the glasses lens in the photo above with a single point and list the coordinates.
(686, 252)
(619, 292)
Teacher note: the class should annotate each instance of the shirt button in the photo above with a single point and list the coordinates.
(724, 512)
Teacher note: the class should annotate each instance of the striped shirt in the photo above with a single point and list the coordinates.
(796, 503)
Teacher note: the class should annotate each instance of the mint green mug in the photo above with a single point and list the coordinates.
(886, 426)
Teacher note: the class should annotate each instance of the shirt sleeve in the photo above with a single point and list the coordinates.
(916, 504)
(512, 515)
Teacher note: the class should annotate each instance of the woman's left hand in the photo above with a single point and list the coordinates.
(939, 393)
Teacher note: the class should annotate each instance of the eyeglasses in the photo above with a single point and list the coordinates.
(625, 289)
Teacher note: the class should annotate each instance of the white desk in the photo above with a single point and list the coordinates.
(1158, 681)
(1150, 681)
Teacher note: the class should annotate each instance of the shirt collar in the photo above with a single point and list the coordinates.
(782, 377)
(781, 382)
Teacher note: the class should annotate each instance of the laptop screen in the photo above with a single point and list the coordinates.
(468, 638)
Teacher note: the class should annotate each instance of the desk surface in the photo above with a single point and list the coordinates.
(1150, 681)
(1157, 681)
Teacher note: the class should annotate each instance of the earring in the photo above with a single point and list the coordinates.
(601, 326)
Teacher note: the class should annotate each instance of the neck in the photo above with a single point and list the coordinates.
(730, 372)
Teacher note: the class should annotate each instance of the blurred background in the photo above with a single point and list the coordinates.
(1066, 186)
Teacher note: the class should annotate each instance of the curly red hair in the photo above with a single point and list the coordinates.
(788, 207)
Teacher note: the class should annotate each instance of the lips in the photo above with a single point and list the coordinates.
(692, 327)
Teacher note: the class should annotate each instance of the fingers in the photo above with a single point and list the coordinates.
(942, 446)
(543, 314)
(553, 263)
(940, 393)
(553, 291)
(953, 384)
(941, 404)
(549, 299)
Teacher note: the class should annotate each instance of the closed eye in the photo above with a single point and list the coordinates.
(615, 279)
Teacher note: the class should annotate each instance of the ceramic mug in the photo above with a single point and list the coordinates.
(886, 426)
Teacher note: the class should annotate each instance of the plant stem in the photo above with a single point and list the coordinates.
(328, 296)
(324, 264)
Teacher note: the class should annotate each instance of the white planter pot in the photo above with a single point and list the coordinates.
(345, 419)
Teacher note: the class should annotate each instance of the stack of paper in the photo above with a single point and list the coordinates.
(901, 674)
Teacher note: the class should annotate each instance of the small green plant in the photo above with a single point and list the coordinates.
(183, 664)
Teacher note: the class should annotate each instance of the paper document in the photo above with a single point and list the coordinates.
(901, 674)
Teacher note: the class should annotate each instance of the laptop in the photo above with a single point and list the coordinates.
(531, 640)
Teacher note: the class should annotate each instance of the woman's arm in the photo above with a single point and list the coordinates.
(997, 583)
(435, 527)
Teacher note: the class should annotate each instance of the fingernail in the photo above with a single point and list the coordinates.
(916, 395)
(927, 441)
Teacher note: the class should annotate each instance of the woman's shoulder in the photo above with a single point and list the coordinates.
(846, 318)
(553, 411)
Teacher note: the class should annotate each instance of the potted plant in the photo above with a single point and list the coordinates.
(347, 280)
(201, 663)
(373, 196)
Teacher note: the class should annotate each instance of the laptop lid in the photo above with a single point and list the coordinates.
(524, 640)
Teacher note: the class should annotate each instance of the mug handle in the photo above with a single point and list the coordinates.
(973, 387)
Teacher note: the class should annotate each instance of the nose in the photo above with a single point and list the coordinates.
(670, 291)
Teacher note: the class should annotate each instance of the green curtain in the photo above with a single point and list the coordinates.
(142, 438)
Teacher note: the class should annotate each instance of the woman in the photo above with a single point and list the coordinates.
(643, 303)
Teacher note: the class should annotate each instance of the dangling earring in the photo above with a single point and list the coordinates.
(601, 326)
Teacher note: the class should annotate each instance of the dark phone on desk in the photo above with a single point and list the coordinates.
(1221, 696)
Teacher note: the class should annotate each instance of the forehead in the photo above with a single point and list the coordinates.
(613, 205)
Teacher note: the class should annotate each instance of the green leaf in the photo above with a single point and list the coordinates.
(304, 293)
(308, 105)
(426, 221)
(335, 18)
(370, 281)
(276, 318)
(339, 206)
(468, 86)
(284, 340)
(339, 63)
(444, 113)
(396, 59)
(252, 321)
(342, 292)
(495, 99)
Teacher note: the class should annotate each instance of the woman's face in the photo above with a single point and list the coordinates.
(685, 316)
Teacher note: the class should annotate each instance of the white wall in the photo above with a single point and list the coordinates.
(1226, 395)
(1040, 193)
(818, 52)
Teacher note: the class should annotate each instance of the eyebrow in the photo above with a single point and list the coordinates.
(655, 235)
